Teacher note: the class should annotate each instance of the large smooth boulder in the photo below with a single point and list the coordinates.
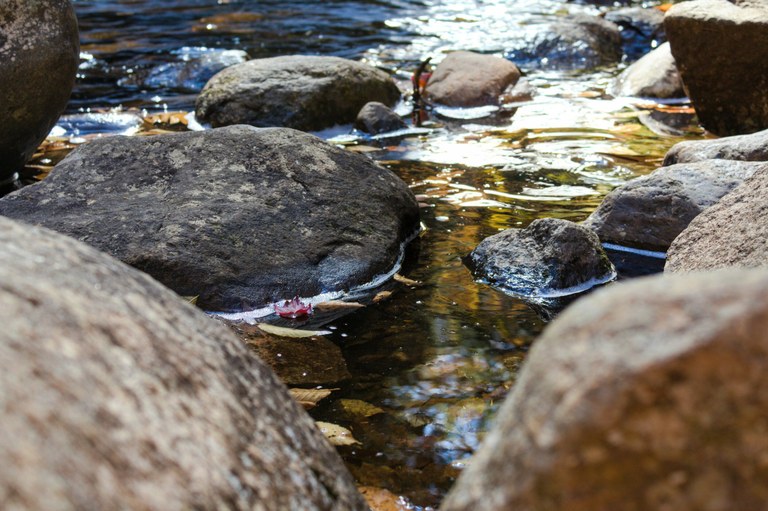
(116, 394)
(467, 79)
(653, 76)
(642, 29)
(576, 42)
(649, 212)
(733, 232)
(645, 395)
(547, 258)
(752, 147)
(721, 49)
(302, 92)
(241, 216)
(39, 55)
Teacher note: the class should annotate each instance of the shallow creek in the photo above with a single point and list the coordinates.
(429, 364)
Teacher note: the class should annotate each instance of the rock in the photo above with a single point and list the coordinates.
(544, 259)
(522, 91)
(115, 394)
(375, 118)
(642, 29)
(195, 66)
(645, 395)
(653, 76)
(467, 79)
(39, 55)
(650, 211)
(753, 147)
(302, 92)
(721, 49)
(240, 216)
(578, 42)
(733, 232)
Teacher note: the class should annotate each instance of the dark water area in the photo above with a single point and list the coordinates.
(430, 363)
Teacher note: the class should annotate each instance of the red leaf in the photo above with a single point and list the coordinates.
(293, 309)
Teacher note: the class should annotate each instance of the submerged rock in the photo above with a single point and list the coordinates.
(116, 394)
(302, 92)
(642, 29)
(545, 259)
(753, 147)
(577, 42)
(375, 118)
(467, 79)
(733, 232)
(650, 211)
(645, 395)
(721, 49)
(655, 76)
(39, 55)
(240, 216)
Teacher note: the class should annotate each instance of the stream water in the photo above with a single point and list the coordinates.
(430, 364)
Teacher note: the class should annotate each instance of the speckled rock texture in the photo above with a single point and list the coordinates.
(39, 55)
(575, 42)
(650, 211)
(721, 49)
(467, 79)
(375, 118)
(733, 232)
(644, 395)
(116, 394)
(752, 147)
(547, 256)
(653, 76)
(240, 216)
(302, 92)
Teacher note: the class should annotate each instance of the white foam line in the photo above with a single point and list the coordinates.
(579, 288)
(252, 315)
(646, 253)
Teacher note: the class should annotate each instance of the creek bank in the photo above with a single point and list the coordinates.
(643, 395)
(303, 92)
(39, 55)
(549, 258)
(239, 216)
(721, 50)
(649, 212)
(116, 394)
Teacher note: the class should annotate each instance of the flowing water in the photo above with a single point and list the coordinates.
(430, 364)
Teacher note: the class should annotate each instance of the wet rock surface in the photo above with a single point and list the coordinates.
(467, 79)
(721, 49)
(116, 394)
(642, 29)
(733, 232)
(577, 42)
(39, 55)
(240, 216)
(375, 118)
(548, 256)
(752, 147)
(301, 92)
(649, 212)
(655, 75)
(644, 395)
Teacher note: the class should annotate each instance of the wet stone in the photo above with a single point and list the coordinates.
(467, 79)
(375, 118)
(752, 147)
(655, 76)
(642, 29)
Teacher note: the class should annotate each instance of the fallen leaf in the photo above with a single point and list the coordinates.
(336, 434)
(405, 280)
(290, 332)
(381, 296)
(191, 299)
(293, 308)
(363, 149)
(308, 398)
(380, 499)
(337, 304)
(359, 407)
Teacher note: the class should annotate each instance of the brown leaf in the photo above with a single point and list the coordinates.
(381, 296)
(290, 332)
(336, 434)
(405, 280)
(337, 304)
(380, 499)
(308, 398)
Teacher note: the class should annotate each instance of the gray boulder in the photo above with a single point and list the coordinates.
(116, 394)
(577, 42)
(650, 211)
(655, 76)
(240, 216)
(547, 258)
(721, 49)
(642, 29)
(467, 79)
(301, 92)
(375, 118)
(645, 395)
(752, 147)
(733, 232)
(39, 55)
